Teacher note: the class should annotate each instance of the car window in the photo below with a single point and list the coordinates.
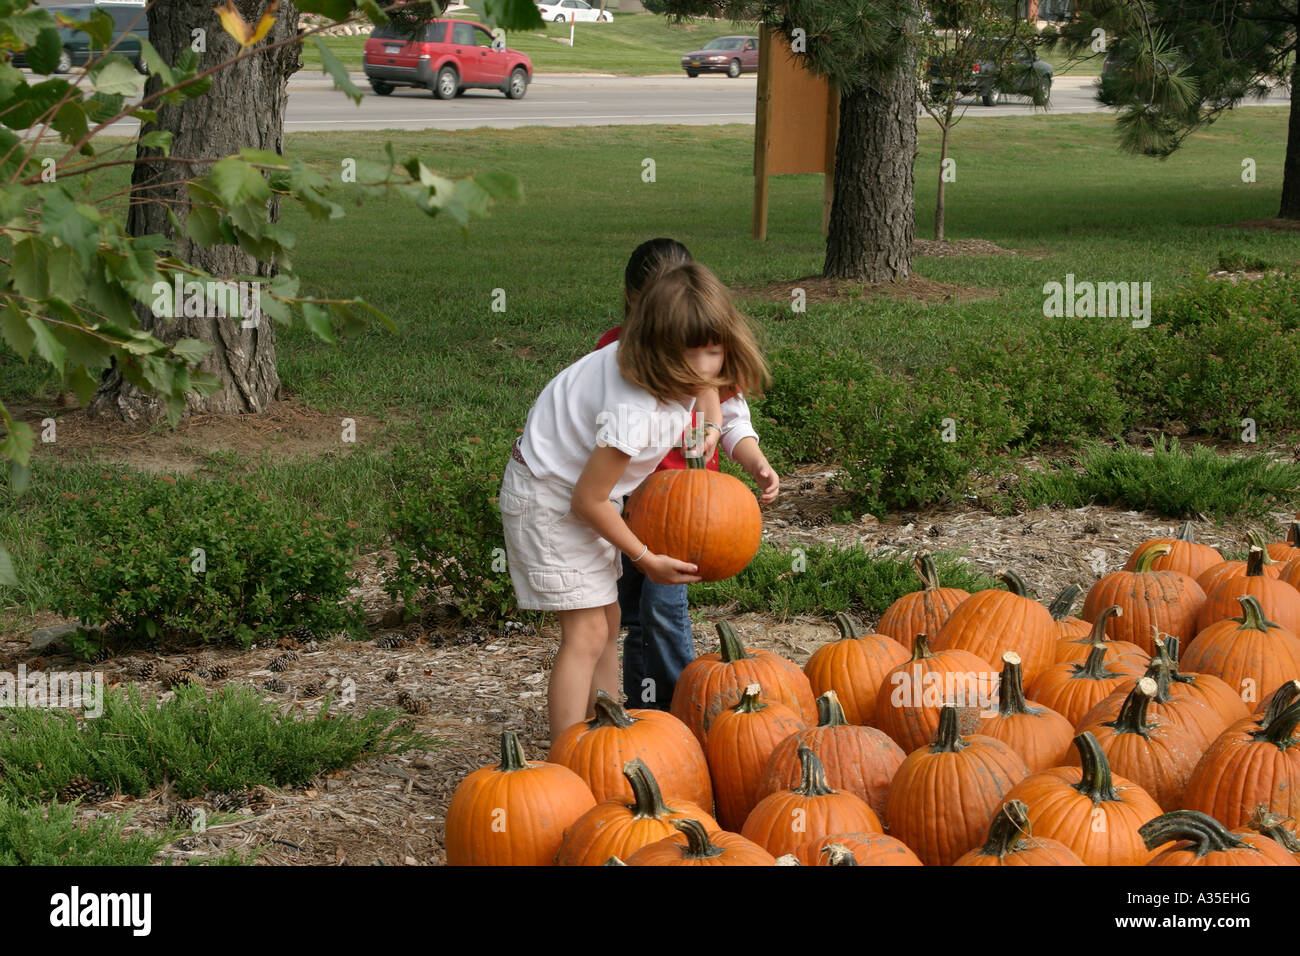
(749, 44)
(462, 33)
(435, 32)
(723, 43)
(482, 37)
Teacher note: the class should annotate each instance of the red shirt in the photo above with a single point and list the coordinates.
(674, 458)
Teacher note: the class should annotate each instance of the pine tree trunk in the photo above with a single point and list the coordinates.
(1291, 169)
(244, 108)
(872, 215)
(938, 201)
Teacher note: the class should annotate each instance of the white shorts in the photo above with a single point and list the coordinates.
(557, 561)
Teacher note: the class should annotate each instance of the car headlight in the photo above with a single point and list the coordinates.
(716, 58)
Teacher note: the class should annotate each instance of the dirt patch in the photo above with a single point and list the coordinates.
(1272, 224)
(287, 430)
(950, 248)
(820, 289)
(1244, 275)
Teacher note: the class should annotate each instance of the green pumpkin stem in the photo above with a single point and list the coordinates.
(751, 701)
(1011, 687)
(1132, 717)
(1252, 615)
(848, 630)
(1015, 584)
(512, 753)
(609, 712)
(1185, 533)
(830, 712)
(731, 648)
(614, 861)
(698, 844)
(1097, 784)
(1063, 603)
(812, 775)
(1280, 731)
(1274, 827)
(1009, 830)
(1098, 635)
(1094, 666)
(1149, 555)
(1282, 698)
(837, 854)
(920, 649)
(1161, 671)
(1293, 534)
(925, 569)
(648, 800)
(1206, 834)
(948, 739)
(694, 461)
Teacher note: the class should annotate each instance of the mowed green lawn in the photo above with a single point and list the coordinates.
(1055, 189)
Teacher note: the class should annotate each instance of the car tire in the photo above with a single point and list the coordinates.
(692, 73)
(446, 83)
(991, 98)
(604, 18)
(65, 61)
(380, 87)
(517, 85)
(733, 69)
(561, 19)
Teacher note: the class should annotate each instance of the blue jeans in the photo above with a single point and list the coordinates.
(659, 643)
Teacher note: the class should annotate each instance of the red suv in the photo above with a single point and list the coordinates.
(446, 57)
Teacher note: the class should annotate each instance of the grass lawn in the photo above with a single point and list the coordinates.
(1053, 188)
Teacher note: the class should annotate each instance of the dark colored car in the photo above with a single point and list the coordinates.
(130, 26)
(445, 57)
(1027, 71)
(730, 55)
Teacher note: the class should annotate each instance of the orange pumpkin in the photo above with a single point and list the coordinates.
(1075, 650)
(1249, 653)
(854, 667)
(1152, 601)
(713, 683)
(920, 612)
(1279, 600)
(866, 849)
(1068, 628)
(1074, 689)
(597, 749)
(739, 743)
(943, 796)
(1156, 755)
(1290, 573)
(1213, 691)
(1285, 551)
(1213, 576)
(1040, 735)
(991, 622)
(515, 813)
(1201, 840)
(1275, 828)
(696, 846)
(708, 518)
(615, 828)
(859, 760)
(1184, 554)
(784, 821)
(1093, 812)
(1011, 842)
(914, 691)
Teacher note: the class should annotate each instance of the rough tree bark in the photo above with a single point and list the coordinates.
(1290, 208)
(244, 108)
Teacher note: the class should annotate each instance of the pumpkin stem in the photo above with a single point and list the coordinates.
(812, 775)
(731, 650)
(1280, 731)
(1064, 602)
(1207, 835)
(1252, 615)
(648, 801)
(1099, 623)
(512, 753)
(948, 739)
(751, 701)
(920, 649)
(690, 441)
(609, 712)
(1015, 584)
(1011, 687)
(1009, 829)
(1274, 827)
(848, 630)
(614, 861)
(837, 854)
(1282, 698)
(1185, 533)
(698, 844)
(1148, 556)
(1097, 784)
(1293, 534)
(1161, 671)
(1256, 560)
(830, 713)
(1094, 667)
(925, 569)
(1132, 717)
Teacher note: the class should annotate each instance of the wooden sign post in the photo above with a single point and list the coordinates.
(796, 122)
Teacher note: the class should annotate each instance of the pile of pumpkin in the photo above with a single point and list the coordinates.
(1014, 735)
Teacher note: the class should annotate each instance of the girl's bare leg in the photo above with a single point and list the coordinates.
(606, 677)
(584, 637)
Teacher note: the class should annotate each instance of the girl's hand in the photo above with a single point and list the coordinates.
(662, 569)
(769, 485)
(707, 439)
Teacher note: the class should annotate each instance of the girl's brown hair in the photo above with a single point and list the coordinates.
(685, 306)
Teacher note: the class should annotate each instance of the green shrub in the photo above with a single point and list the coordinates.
(35, 835)
(123, 554)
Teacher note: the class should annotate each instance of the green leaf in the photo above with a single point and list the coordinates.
(48, 346)
(98, 26)
(374, 12)
(28, 24)
(509, 14)
(7, 576)
(30, 268)
(16, 196)
(204, 226)
(43, 55)
(154, 63)
(84, 382)
(14, 329)
(66, 280)
(10, 79)
(263, 157)
(62, 217)
(318, 321)
(83, 349)
(332, 65)
(334, 9)
(70, 122)
(19, 474)
(158, 139)
(145, 116)
(114, 74)
(192, 350)
(277, 309)
(238, 183)
(30, 103)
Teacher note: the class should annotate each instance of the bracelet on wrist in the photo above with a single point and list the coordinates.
(643, 553)
(707, 425)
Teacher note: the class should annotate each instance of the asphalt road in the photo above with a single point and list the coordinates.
(589, 100)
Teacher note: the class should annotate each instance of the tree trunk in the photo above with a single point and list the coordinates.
(938, 201)
(244, 108)
(872, 216)
(1291, 169)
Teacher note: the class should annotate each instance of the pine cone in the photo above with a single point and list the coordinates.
(140, 668)
(389, 641)
(84, 788)
(391, 676)
(215, 672)
(101, 655)
(302, 633)
(181, 675)
(282, 662)
(313, 688)
(183, 815)
(276, 686)
(412, 704)
(226, 802)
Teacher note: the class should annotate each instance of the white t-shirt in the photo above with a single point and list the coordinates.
(591, 403)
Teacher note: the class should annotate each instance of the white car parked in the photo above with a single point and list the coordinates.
(563, 10)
